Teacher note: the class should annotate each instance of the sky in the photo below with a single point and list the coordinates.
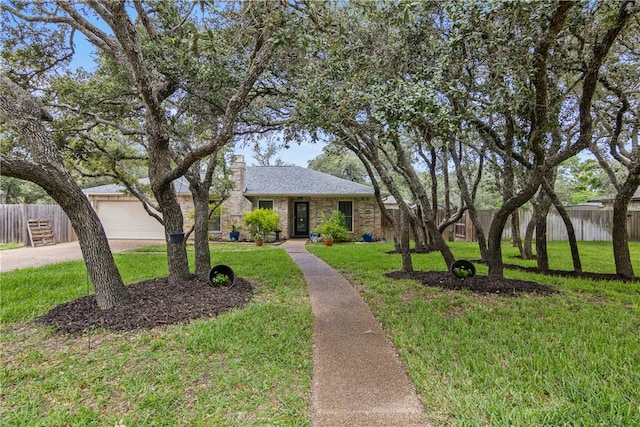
(296, 154)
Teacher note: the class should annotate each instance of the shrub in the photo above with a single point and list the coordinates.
(335, 227)
(262, 222)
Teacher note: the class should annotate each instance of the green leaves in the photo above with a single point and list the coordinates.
(262, 222)
(333, 228)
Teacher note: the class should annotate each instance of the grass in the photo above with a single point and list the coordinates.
(569, 359)
(245, 367)
(4, 246)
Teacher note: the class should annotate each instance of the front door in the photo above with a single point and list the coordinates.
(301, 219)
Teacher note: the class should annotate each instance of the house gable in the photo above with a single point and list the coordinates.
(299, 181)
(283, 186)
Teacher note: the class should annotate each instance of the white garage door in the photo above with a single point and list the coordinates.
(128, 220)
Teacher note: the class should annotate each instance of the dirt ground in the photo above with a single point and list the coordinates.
(156, 303)
(153, 303)
(477, 284)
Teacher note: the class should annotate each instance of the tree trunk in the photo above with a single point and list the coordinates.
(571, 233)
(46, 168)
(421, 237)
(367, 153)
(528, 235)
(376, 190)
(542, 205)
(620, 235)
(515, 232)
(541, 237)
(407, 264)
(159, 172)
(467, 196)
(173, 222)
(426, 214)
(108, 286)
(494, 252)
(201, 231)
(482, 240)
(200, 186)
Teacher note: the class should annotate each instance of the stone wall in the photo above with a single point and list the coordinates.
(366, 213)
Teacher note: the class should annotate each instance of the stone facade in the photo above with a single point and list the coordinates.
(234, 207)
(366, 213)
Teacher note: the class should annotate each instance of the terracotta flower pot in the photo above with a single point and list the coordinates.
(259, 242)
(328, 242)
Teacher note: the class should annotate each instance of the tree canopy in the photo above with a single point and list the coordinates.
(435, 102)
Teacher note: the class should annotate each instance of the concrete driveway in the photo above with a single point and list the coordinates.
(27, 256)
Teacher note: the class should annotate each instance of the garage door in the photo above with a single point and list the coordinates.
(128, 220)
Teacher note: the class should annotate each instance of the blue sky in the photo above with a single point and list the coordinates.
(296, 154)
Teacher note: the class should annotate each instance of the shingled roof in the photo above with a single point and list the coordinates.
(299, 181)
(611, 197)
(273, 181)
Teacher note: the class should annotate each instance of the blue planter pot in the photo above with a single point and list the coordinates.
(234, 235)
(367, 237)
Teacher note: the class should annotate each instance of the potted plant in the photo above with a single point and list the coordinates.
(234, 234)
(333, 229)
(261, 222)
(463, 269)
(366, 234)
(222, 275)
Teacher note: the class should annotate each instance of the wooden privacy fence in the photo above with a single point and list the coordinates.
(589, 225)
(14, 220)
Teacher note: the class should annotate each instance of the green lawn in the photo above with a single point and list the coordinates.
(246, 367)
(5, 246)
(569, 359)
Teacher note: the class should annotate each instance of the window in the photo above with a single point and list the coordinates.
(346, 207)
(215, 223)
(265, 204)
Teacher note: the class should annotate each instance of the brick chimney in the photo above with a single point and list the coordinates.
(239, 171)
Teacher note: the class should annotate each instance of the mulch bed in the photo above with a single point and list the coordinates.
(477, 284)
(583, 275)
(153, 303)
(157, 303)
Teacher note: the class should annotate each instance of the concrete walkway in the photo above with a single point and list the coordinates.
(358, 380)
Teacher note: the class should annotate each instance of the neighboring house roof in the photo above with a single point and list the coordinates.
(299, 181)
(272, 181)
(611, 197)
(585, 206)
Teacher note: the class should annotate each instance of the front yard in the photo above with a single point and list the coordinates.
(245, 367)
(571, 357)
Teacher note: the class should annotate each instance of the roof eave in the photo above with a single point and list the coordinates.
(248, 194)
